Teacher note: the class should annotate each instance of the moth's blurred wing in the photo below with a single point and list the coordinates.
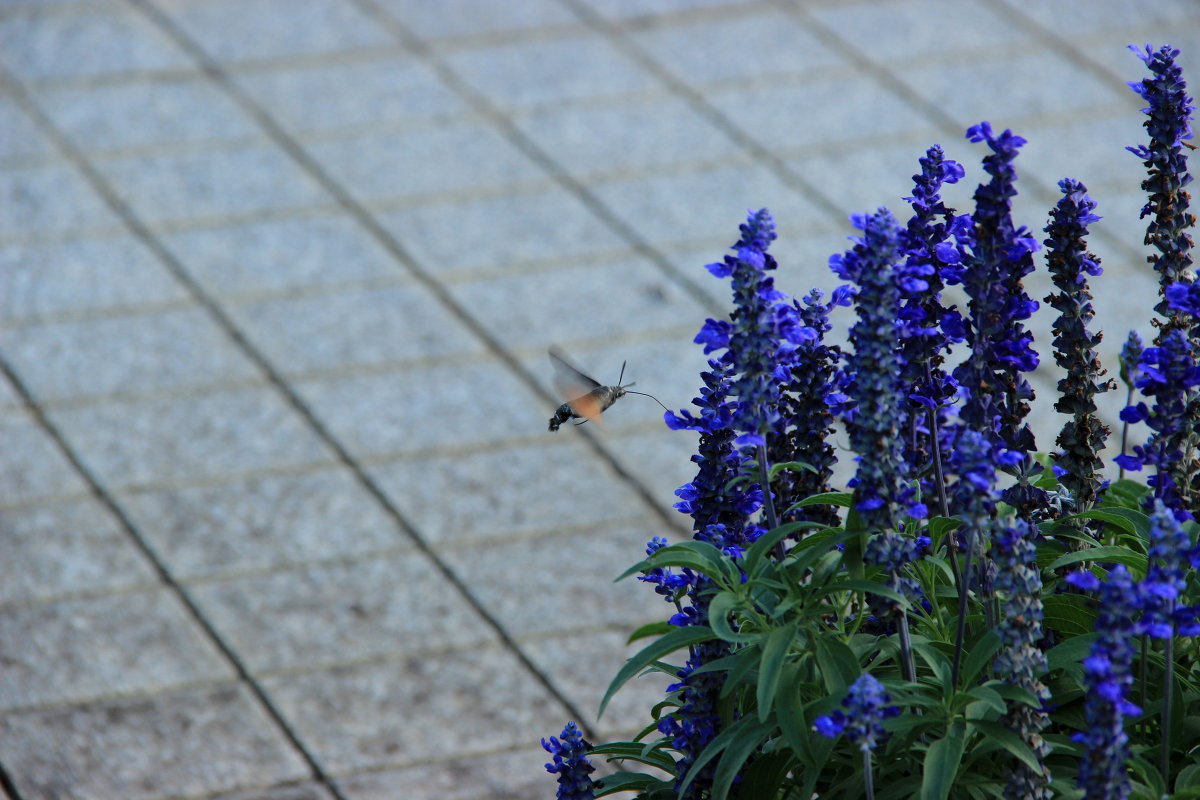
(568, 381)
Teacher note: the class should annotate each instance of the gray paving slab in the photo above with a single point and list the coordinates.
(273, 28)
(174, 439)
(305, 791)
(461, 18)
(189, 742)
(281, 255)
(127, 355)
(90, 648)
(514, 775)
(648, 302)
(634, 9)
(415, 710)
(176, 187)
(145, 114)
(393, 89)
(20, 137)
(65, 548)
(318, 616)
(78, 275)
(370, 327)
(584, 67)
(531, 601)
(500, 235)
(1079, 15)
(423, 162)
(32, 197)
(505, 493)
(34, 468)
(460, 405)
(783, 47)
(103, 40)
(261, 523)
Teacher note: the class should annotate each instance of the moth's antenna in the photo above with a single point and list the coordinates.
(623, 363)
(652, 397)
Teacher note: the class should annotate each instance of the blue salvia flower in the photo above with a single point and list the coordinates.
(893, 552)
(1168, 121)
(1108, 677)
(929, 254)
(1020, 661)
(865, 707)
(1131, 356)
(1083, 436)
(1165, 578)
(761, 336)
(995, 395)
(813, 391)
(874, 369)
(1169, 374)
(571, 764)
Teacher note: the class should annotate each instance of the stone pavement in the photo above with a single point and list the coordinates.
(279, 513)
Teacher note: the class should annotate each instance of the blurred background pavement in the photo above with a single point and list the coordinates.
(279, 513)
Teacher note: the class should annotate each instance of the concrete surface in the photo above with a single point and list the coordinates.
(279, 513)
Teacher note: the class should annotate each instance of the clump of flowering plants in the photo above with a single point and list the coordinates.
(969, 616)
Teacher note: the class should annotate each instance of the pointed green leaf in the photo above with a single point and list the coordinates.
(941, 763)
(979, 656)
(1010, 741)
(774, 652)
(1113, 553)
(676, 639)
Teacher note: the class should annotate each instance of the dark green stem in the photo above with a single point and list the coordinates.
(960, 634)
(1168, 696)
(868, 777)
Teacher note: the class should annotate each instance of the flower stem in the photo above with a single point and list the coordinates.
(868, 777)
(960, 634)
(1164, 758)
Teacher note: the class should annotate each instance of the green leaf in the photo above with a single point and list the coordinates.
(940, 526)
(625, 781)
(941, 763)
(634, 751)
(719, 608)
(676, 639)
(774, 651)
(827, 499)
(838, 665)
(871, 587)
(789, 715)
(979, 656)
(765, 544)
(1129, 520)
(1071, 614)
(716, 747)
(1109, 553)
(660, 628)
(1072, 651)
(1009, 740)
(745, 744)
(699, 556)
(989, 697)
(790, 466)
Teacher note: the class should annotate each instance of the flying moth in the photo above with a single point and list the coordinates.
(586, 397)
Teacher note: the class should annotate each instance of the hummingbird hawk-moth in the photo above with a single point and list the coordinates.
(586, 397)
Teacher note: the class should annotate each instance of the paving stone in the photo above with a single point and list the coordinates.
(595, 139)
(660, 207)
(1055, 149)
(783, 114)
(637, 298)
(426, 161)
(358, 327)
(221, 434)
(455, 18)
(190, 742)
(66, 547)
(512, 775)
(176, 187)
(306, 791)
(1036, 83)
(50, 200)
(77, 650)
(1080, 17)
(782, 46)
(20, 138)
(660, 460)
(39, 280)
(416, 709)
(536, 607)
(512, 75)
(143, 114)
(33, 468)
(260, 523)
(506, 492)
(622, 9)
(895, 33)
(460, 405)
(274, 28)
(126, 355)
(496, 234)
(354, 94)
(322, 615)
(102, 40)
(282, 254)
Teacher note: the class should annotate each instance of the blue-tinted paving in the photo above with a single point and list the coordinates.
(280, 516)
